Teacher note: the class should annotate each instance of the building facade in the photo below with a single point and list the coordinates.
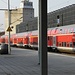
(22, 19)
(19, 15)
(66, 16)
(61, 17)
(27, 26)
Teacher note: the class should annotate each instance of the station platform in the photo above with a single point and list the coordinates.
(25, 62)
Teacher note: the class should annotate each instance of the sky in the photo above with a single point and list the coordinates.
(52, 6)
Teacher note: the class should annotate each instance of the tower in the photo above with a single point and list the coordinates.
(26, 4)
(28, 10)
(23, 14)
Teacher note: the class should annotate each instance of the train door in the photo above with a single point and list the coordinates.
(54, 41)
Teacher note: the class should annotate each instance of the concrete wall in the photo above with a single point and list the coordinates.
(18, 16)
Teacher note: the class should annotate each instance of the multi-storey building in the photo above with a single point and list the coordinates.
(66, 16)
(63, 16)
(22, 19)
(19, 15)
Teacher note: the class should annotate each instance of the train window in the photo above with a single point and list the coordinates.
(64, 44)
(49, 38)
(73, 44)
(70, 44)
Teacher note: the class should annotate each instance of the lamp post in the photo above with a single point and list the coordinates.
(9, 49)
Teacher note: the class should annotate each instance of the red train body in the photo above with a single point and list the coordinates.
(59, 39)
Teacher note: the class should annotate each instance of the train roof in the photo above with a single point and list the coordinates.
(54, 30)
(21, 34)
(34, 33)
(62, 29)
(3, 36)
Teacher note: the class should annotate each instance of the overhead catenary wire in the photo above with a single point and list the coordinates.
(4, 1)
(11, 9)
(51, 7)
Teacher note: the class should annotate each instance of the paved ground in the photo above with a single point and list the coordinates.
(25, 62)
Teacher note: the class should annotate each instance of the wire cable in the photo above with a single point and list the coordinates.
(14, 14)
(4, 1)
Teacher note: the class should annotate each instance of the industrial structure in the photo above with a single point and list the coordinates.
(23, 14)
(22, 19)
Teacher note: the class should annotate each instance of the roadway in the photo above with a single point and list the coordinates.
(25, 62)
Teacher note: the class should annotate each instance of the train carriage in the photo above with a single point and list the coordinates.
(58, 39)
(62, 38)
(66, 42)
(52, 39)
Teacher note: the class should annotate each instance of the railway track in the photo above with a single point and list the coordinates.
(63, 53)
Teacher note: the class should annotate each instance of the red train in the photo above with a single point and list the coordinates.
(59, 39)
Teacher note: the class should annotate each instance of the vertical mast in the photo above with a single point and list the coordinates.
(9, 51)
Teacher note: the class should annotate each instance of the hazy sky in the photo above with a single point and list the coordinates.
(52, 5)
